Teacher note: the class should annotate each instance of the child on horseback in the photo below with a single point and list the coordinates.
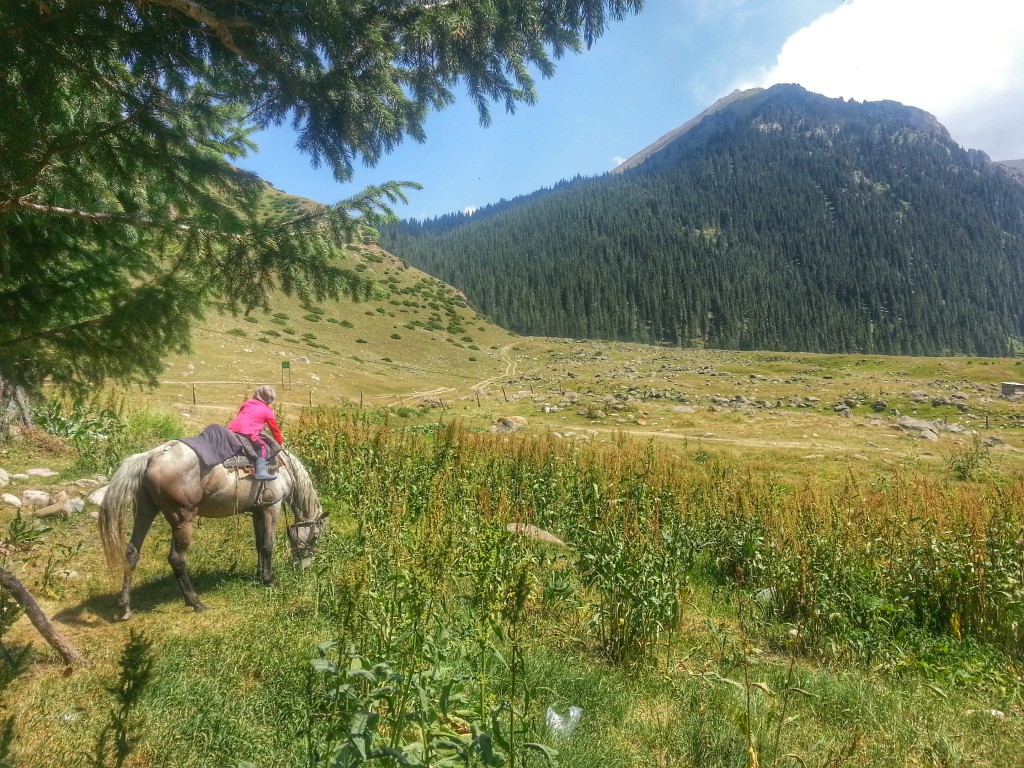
(249, 422)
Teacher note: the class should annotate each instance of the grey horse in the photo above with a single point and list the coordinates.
(169, 479)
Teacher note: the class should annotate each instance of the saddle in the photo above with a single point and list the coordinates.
(245, 463)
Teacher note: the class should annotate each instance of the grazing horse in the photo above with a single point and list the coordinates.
(170, 479)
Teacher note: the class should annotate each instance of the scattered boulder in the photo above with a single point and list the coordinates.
(96, 497)
(40, 472)
(910, 424)
(433, 402)
(11, 499)
(533, 532)
(301, 359)
(35, 498)
(505, 425)
(5, 479)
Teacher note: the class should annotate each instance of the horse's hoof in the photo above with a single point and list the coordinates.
(125, 616)
(199, 608)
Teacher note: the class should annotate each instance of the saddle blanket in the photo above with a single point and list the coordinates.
(219, 445)
(214, 445)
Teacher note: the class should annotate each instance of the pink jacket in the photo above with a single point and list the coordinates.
(252, 417)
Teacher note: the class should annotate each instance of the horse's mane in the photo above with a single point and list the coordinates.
(304, 496)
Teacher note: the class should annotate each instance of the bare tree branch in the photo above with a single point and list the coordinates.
(68, 653)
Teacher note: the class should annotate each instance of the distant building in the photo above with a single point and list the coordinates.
(1011, 388)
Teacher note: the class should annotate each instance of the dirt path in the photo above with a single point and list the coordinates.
(510, 370)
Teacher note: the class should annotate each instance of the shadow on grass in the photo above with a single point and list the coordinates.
(154, 592)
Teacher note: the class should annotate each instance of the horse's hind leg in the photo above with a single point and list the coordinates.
(145, 513)
(181, 538)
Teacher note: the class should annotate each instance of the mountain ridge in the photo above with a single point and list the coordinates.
(780, 220)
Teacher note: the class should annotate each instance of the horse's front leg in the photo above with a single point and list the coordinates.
(181, 538)
(264, 523)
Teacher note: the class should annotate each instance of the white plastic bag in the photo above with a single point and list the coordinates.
(563, 725)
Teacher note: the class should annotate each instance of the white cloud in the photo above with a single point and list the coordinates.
(469, 210)
(617, 161)
(959, 60)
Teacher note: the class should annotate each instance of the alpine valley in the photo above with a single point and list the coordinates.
(778, 219)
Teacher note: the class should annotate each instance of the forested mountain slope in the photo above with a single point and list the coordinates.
(782, 220)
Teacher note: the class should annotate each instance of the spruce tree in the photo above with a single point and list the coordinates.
(121, 215)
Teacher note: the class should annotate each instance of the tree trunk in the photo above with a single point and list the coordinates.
(13, 408)
(68, 653)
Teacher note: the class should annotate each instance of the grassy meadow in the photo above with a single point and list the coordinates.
(756, 566)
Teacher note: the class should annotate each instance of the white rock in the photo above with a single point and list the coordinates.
(87, 482)
(21, 476)
(96, 497)
(40, 472)
(35, 498)
(75, 505)
(4, 478)
(10, 498)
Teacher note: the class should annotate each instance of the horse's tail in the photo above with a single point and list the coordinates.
(120, 500)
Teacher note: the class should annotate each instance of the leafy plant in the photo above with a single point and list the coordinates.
(971, 461)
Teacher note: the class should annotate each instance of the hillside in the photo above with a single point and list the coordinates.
(781, 220)
(413, 337)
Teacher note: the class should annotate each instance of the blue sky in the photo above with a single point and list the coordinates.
(652, 72)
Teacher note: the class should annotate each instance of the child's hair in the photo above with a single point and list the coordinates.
(266, 393)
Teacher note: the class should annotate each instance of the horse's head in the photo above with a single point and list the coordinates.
(303, 537)
(310, 518)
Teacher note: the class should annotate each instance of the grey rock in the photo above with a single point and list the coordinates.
(35, 498)
(927, 434)
(10, 498)
(505, 425)
(40, 472)
(96, 497)
(910, 424)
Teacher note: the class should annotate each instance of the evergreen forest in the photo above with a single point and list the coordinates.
(783, 221)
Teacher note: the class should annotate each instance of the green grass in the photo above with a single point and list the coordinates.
(418, 571)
